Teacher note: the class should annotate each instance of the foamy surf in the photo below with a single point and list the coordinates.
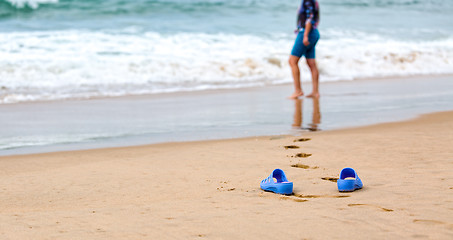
(55, 65)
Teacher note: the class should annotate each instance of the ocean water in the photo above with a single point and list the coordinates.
(54, 54)
(222, 114)
(77, 49)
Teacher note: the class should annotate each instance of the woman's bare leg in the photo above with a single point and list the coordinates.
(315, 78)
(294, 63)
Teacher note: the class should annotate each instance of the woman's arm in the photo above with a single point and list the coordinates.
(306, 32)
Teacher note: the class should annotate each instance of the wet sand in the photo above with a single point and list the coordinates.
(210, 189)
(129, 121)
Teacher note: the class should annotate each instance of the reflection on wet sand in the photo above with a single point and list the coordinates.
(298, 115)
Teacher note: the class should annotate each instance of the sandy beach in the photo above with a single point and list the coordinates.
(159, 119)
(210, 189)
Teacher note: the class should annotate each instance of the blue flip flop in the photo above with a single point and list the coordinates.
(352, 183)
(282, 186)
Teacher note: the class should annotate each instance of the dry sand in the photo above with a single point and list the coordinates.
(210, 189)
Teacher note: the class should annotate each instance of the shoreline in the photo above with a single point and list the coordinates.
(247, 138)
(222, 114)
(306, 84)
(211, 188)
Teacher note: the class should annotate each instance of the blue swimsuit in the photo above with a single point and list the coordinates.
(308, 12)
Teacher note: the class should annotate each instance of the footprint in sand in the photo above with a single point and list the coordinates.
(433, 222)
(302, 140)
(303, 155)
(368, 205)
(224, 187)
(304, 198)
(319, 196)
(294, 199)
(281, 197)
(303, 166)
(332, 179)
(291, 147)
(300, 165)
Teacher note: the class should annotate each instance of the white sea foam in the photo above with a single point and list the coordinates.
(82, 64)
(39, 140)
(31, 3)
(350, 55)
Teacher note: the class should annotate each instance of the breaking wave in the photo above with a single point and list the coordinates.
(55, 65)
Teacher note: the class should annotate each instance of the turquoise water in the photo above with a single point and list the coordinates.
(61, 49)
(54, 53)
(227, 16)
